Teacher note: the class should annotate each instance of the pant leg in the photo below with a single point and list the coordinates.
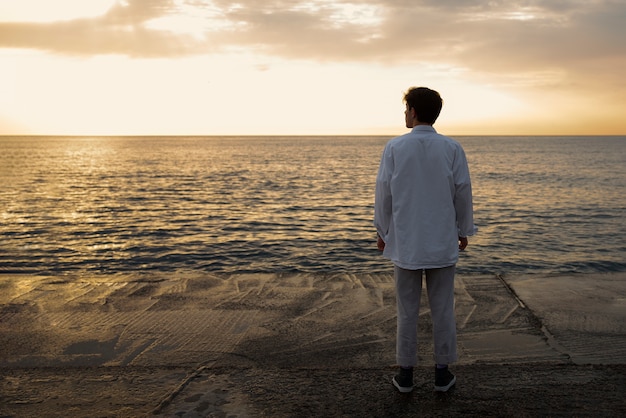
(440, 288)
(408, 295)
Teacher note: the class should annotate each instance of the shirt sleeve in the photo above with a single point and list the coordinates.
(463, 204)
(382, 202)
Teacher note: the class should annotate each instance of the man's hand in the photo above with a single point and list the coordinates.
(380, 244)
(462, 243)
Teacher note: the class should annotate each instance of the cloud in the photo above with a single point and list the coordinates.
(496, 37)
(122, 30)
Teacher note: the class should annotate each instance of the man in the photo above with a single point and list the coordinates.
(423, 215)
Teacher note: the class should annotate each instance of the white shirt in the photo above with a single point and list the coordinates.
(423, 199)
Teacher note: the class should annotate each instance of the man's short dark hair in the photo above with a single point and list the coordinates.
(427, 103)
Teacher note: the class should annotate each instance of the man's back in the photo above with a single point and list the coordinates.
(423, 187)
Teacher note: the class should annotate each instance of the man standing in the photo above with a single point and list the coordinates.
(423, 215)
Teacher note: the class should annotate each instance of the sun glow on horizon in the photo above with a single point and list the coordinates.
(238, 93)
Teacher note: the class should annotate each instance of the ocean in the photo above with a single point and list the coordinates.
(168, 205)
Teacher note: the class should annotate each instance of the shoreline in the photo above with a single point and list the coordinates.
(250, 345)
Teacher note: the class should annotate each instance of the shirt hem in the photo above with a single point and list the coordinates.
(423, 266)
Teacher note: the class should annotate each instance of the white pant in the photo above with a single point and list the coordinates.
(440, 287)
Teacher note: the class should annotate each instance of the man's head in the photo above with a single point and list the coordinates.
(423, 106)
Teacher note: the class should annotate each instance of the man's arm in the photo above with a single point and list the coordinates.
(382, 198)
(463, 198)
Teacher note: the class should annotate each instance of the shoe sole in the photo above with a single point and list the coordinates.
(403, 389)
(445, 388)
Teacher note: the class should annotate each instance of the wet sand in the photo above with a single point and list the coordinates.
(196, 345)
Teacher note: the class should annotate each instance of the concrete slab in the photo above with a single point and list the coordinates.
(584, 314)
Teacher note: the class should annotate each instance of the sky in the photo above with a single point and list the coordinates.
(318, 67)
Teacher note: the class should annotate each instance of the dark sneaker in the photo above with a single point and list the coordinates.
(403, 381)
(444, 380)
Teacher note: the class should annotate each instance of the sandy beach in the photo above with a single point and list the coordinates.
(198, 345)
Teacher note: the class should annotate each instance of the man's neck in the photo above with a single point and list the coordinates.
(416, 123)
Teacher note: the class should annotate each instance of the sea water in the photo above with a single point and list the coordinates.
(116, 205)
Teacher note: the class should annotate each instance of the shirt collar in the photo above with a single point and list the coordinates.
(423, 128)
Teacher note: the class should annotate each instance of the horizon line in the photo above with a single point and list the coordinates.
(297, 135)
